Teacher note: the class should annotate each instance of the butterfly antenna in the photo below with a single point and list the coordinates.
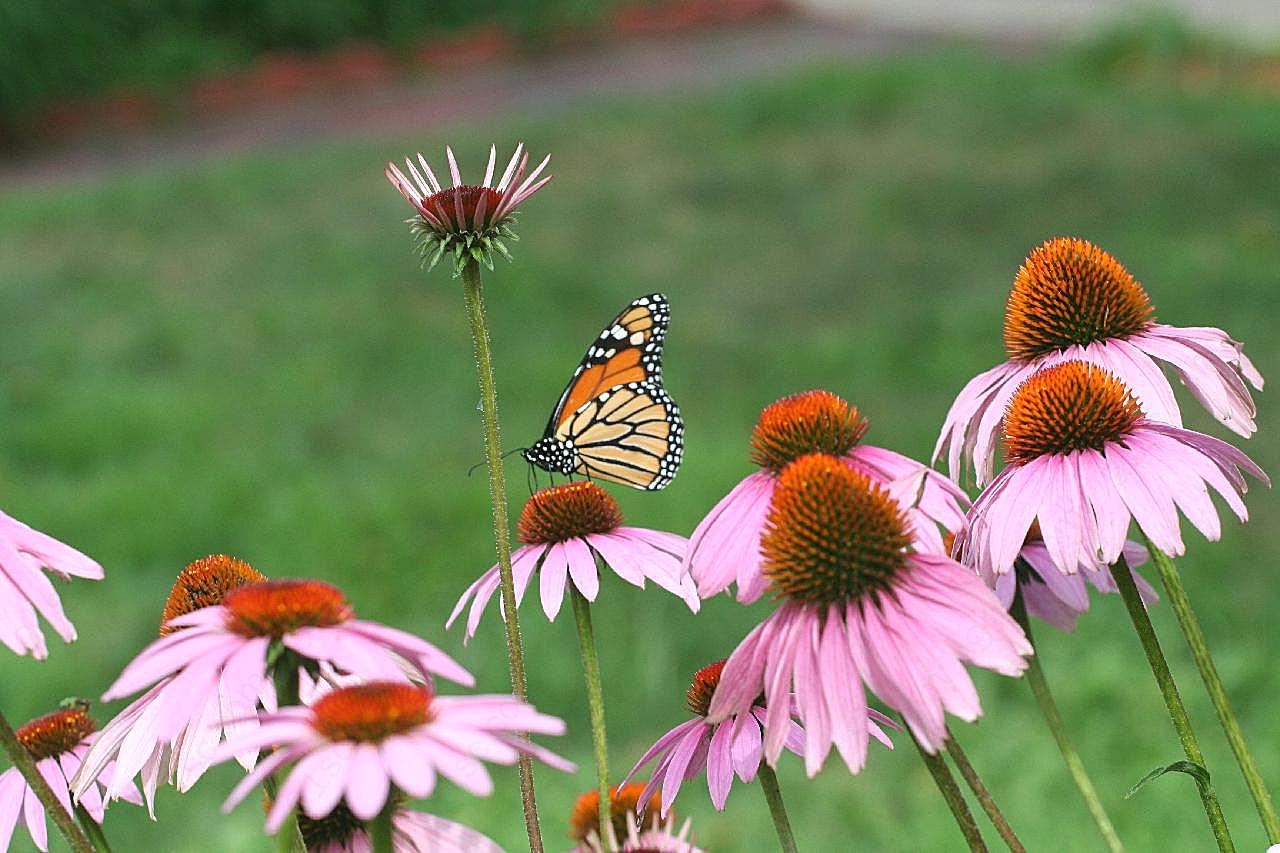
(473, 468)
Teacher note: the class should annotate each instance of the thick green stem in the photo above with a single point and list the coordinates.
(595, 701)
(1190, 625)
(92, 829)
(1053, 718)
(985, 799)
(53, 808)
(1172, 700)
(474, 297)
(955, 800)
(380, 831)
(773, 796)
(284, 674)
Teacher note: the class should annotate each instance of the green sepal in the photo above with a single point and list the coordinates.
(1195, 771)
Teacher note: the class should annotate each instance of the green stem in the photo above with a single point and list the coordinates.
(985, 799)
(474, 298)
(773, 796)
(92, 829)
(284, 673)
(53, 808)
(1053, 718)
(1172, 700)
(1190, 625)
(595, 701)
(380, 831)
(955, 800)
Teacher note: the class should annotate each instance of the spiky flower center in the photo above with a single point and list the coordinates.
(1068, 407)
(810, 422)
(275, 608)
(1068, 292)
(703, 687)
(447, 204)
(204, 583)
(567, 511)
(372, 712)
(56, 733)
(624, 805)
(832, 534)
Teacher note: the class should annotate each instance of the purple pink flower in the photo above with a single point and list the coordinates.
(732, 746)
(132, 740)
(725, 547)
(1072, 301)
(860, 605)
(466, 221)
(24, 589)
(355, 743)
(564, 529)
(58, 743)
(1083, 461)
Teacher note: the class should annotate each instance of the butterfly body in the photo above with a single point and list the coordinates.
(614, 421)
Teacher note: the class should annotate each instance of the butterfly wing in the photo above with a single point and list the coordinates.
(628, 350)
(631, 434)
(614, 421)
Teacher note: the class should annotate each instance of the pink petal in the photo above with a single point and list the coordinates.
(552, 579)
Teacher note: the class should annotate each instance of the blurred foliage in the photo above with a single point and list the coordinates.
(79, 48)
(245, 356)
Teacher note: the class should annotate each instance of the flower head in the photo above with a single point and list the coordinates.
(57, 742)
(626, 803)
(24, 590)
(732, 746)
(1074, 301)
(564, 529)
(355, 742)
(131, 740)
(1083, 460)
(465, 221)
(860, 605)
(725, 547)
(657, 836)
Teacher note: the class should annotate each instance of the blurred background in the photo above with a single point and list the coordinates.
(216, 336)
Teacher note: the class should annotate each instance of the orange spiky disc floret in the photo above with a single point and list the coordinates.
(204, 583)
(445, 205)
(703, 687)
(373, 712)
(809, 422)
(624, 805)
(1067, 292)
(274, 608)
(1068, 407)
(56, 733)
(567, 511)
(832, 534)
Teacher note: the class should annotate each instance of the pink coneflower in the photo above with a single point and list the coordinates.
(356, 742)
(722, 749)
(411, 832)
(725, 547)
(859, 605)
(1073, 301)
(131, 739)
(24, 590)
(657, 836)
(564, 529)
(57, 742)
(625, 805)
(466, 221)
(1082, 461)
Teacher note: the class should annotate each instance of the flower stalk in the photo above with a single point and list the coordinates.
(1053, 719)
(955, 800)
(92, 830)
(474, 298)
(380, 831)
(1190, 626)
(777, 809)
(1172, 699)
(595, 702)
(284, 673)
(27, 767)
(988, 803)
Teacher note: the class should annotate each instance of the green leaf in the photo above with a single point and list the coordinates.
(1195, 771)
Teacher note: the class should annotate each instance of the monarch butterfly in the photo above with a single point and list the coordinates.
(614, 420)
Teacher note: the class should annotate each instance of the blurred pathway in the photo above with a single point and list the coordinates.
(650, 66)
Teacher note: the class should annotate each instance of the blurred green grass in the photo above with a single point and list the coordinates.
(244, 357)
